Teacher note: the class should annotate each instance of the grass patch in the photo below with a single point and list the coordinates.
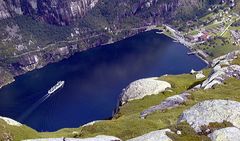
(15, 133)
(6, 77)
(236, 61)
(215, 126)
(218, 46)
(187, 133)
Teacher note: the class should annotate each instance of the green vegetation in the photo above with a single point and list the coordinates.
(216, 33)
(187, 133)
(8, 132)
(218, 46)
(23, 30)
(5, 77)
(215, 126)
(236, 61)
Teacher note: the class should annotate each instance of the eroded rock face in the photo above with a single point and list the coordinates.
(64, 11)
(211, 111)
(225, 134)
(222, 69)
(143, 87)
(60, 12)
(168, 103)
(97, 138)
(159, 135)
(220, 74)
(225, 59)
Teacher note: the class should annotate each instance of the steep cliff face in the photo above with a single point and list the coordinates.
(171, 9)
(122, 13)
(59, 12)
(9, 8)
(63, 12)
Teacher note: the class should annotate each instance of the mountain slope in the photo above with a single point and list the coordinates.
(27, 43)
(59, 12)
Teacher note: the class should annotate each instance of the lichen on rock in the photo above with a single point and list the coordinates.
(168, 103)
(225, 134)
(210, 111)
(143, 87)
(97, 138)
(159, 135)
(219, 75)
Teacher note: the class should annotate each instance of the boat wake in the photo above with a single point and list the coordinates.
(33, 107)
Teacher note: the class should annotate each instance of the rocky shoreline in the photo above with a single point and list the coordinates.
(7, 83)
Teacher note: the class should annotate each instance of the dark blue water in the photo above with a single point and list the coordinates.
(94, 80)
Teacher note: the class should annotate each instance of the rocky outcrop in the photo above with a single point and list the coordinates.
(159, 135)
(143, 87)
(225, 59)
(219, 75)
(53, 11)
(168, 103)
(200, 76)
(10, 121)
(97, 138)
(222, 69)
(211, 111)
(225, 134)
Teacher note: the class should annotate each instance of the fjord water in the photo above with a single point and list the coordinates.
(93, 79)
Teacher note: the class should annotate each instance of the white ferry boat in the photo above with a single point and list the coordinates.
(59, 85)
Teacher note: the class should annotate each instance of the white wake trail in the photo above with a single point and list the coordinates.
(33, 107)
